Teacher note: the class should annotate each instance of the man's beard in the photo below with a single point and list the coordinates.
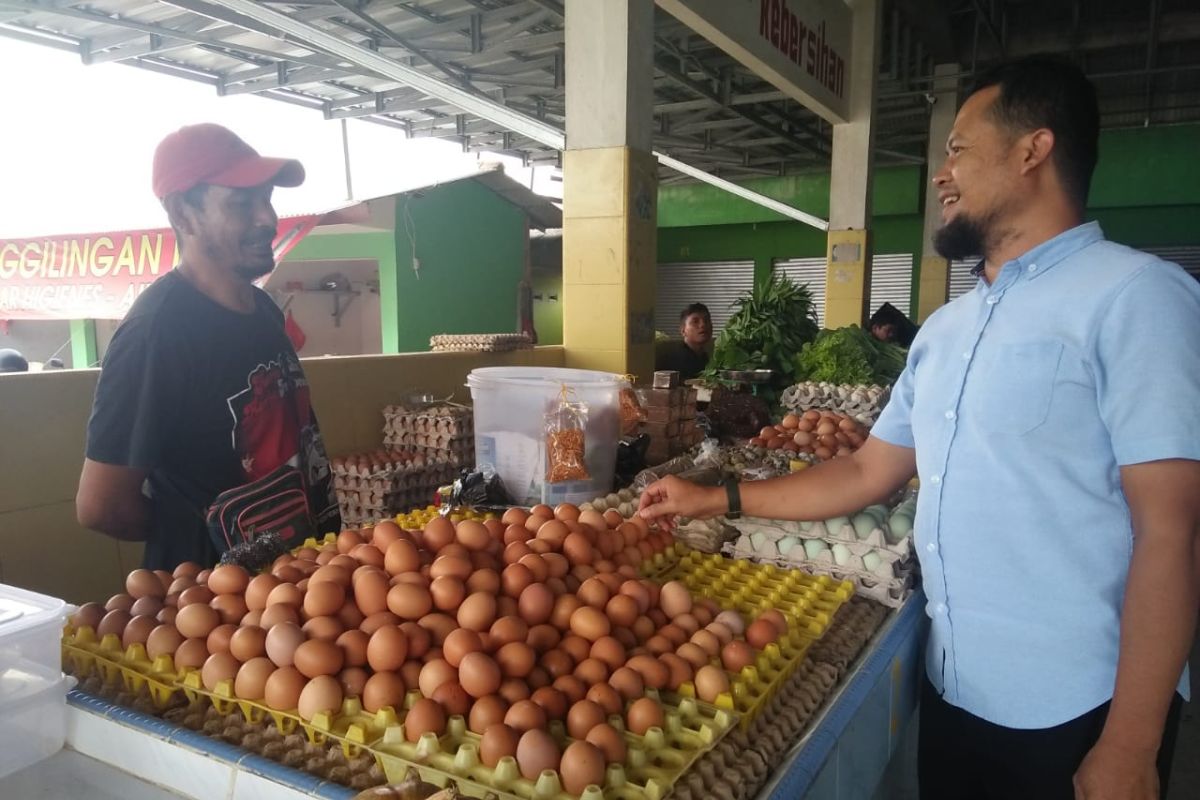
(253, 273)
(962, 237)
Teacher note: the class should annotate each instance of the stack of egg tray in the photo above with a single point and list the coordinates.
(353, 727)
(655, 761)
(808, 602)
(129, 670)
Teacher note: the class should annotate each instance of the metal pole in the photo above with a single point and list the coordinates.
(346, 160)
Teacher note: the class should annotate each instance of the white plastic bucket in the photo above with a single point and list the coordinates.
(510, 410)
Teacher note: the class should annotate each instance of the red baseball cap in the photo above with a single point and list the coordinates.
(215, 155)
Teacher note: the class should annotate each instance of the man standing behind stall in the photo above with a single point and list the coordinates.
(690, 357)
(1058, 522)
(201, 391)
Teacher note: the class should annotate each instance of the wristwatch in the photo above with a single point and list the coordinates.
(734, 495)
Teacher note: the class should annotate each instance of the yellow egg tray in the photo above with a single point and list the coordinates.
(353, 727)
(85, 656)
(808, 602)
(654, 763)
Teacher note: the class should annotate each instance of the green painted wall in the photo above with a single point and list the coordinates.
(547, 313)
(471, 247)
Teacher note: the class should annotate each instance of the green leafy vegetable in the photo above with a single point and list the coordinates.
(768, 329)
(849, 355)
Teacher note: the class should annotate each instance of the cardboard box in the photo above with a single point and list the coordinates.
(662, 414)
(666, 379)
(661, 430)
(661, 398)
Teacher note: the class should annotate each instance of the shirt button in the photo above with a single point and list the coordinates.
(967, 355)
(950, 415)
(941, 608)
(993, 299)
(935, 480)
(931, 547)
(1033, 267)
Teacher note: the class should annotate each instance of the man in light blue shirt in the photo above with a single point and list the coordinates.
(1053, 417)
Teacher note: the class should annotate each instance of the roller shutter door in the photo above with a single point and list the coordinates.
(961, 279)
(717, 284)
(1186, 257)
(891, 282)
(809, 271)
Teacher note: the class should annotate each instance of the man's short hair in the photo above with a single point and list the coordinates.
(694, 308)
(1047, 92)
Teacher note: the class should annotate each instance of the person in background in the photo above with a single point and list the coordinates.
(12, 361)
(1058, 520)
(201, 392)
(690, 357)
(888, 324)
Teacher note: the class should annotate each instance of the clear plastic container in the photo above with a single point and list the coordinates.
(33, 692)
(510, 408)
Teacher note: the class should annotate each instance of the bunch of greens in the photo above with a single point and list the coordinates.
(766, 331)
(849, 355)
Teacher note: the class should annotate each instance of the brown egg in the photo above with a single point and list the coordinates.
(590, 623)
(707, 641)
(535, 604)
(197, 620)
(484, 580)
(387, 649)
(514, 690)
(322, 694)
(425, 716)
(258, 590)
(229, 579)
(737, 655)
(534, 562)
(583, 716)
(643, 628)
(146, 607)
(643, 714)
(88, 615)
(454, 566)
(326, 628)
(693, 654)
(285, 594)
(776, 618)
(281, 643)
(316, 657)
(191, 654)
(508, 629)
(628, 683)
(686, 623)
(324, 599)
(453, 698)
(571, 687)
(383, 690)
(401, 556)
(608, 698)
(536, 752)
(622, 610)
(144, 583)
(525, 715)
(680, 671)
(439, 626)
(564, 606)
(438, 533)
(272, 615)
(376, 621)
(384, 533)
(576, 647)
(473, 535)
(409, 601)
(552, 701)
(353, 681)
(448, 593)
(593, 519)
(592, 671)
(118, 602)
(164, 640)
(250, 683)
(188, 568)
(702, 615)
(594, 592)
(411, 672)
(167, 615)
(655, 674)
(477, 612)
(353, 644)
(434, 674)
(535, 521)
(674, 633)
(516, 659)
(419, 639)
(485, 712)
(196, 594)
(218, 667)
(761, 633)
(610, 742)
(721, 631)
(458, 643)
(137, 630)
(675, 599)
(710, 682)
(371, 593)
(578, 549)
(583, 764)
(498, 741)
(479, 674)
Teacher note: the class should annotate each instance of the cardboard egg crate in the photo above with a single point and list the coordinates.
(479, 342)
(120, 670)
(655, 761)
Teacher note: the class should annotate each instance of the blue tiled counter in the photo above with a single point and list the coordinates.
(845, 752)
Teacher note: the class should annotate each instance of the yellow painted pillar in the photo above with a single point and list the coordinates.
(848, 255)
(610, 188)
(933, 289)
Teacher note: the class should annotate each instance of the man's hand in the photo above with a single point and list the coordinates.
(1112, 772)
(672, 497)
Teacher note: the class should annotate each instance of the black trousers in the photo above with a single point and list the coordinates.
(963, 757)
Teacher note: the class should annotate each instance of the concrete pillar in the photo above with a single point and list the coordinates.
(610, 187)
(848, 275)
(934, 286)
(84, 353)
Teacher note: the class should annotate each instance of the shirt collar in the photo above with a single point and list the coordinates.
(1038, 260)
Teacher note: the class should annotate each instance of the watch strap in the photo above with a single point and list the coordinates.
(734, 494)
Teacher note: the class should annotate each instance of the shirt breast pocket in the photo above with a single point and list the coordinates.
(1020, 386)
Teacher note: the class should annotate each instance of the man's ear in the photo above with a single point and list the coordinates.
(180, 214)
(1036, 148)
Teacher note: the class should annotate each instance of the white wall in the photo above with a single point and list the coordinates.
(359, 332)
(38, 339)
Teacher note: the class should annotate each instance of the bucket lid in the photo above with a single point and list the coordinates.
(541, 376)
(21, 609)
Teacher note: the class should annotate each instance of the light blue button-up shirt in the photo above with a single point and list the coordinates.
(1022, 399)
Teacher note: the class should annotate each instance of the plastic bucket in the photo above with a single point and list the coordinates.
(510, 408)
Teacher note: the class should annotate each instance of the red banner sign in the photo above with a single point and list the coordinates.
(97, 276)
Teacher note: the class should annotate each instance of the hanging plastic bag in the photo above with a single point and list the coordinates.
(632, 413)
(566, 445)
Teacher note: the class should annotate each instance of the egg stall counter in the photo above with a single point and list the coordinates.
(544, 653)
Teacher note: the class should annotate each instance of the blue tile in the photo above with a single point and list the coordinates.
(143, 722)
(334, 791)
(301, 781)
(215, 748)
(90, 703)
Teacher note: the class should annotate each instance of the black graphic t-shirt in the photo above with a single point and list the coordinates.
(204, 399)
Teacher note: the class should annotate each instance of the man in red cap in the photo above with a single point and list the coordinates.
(202, 434)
